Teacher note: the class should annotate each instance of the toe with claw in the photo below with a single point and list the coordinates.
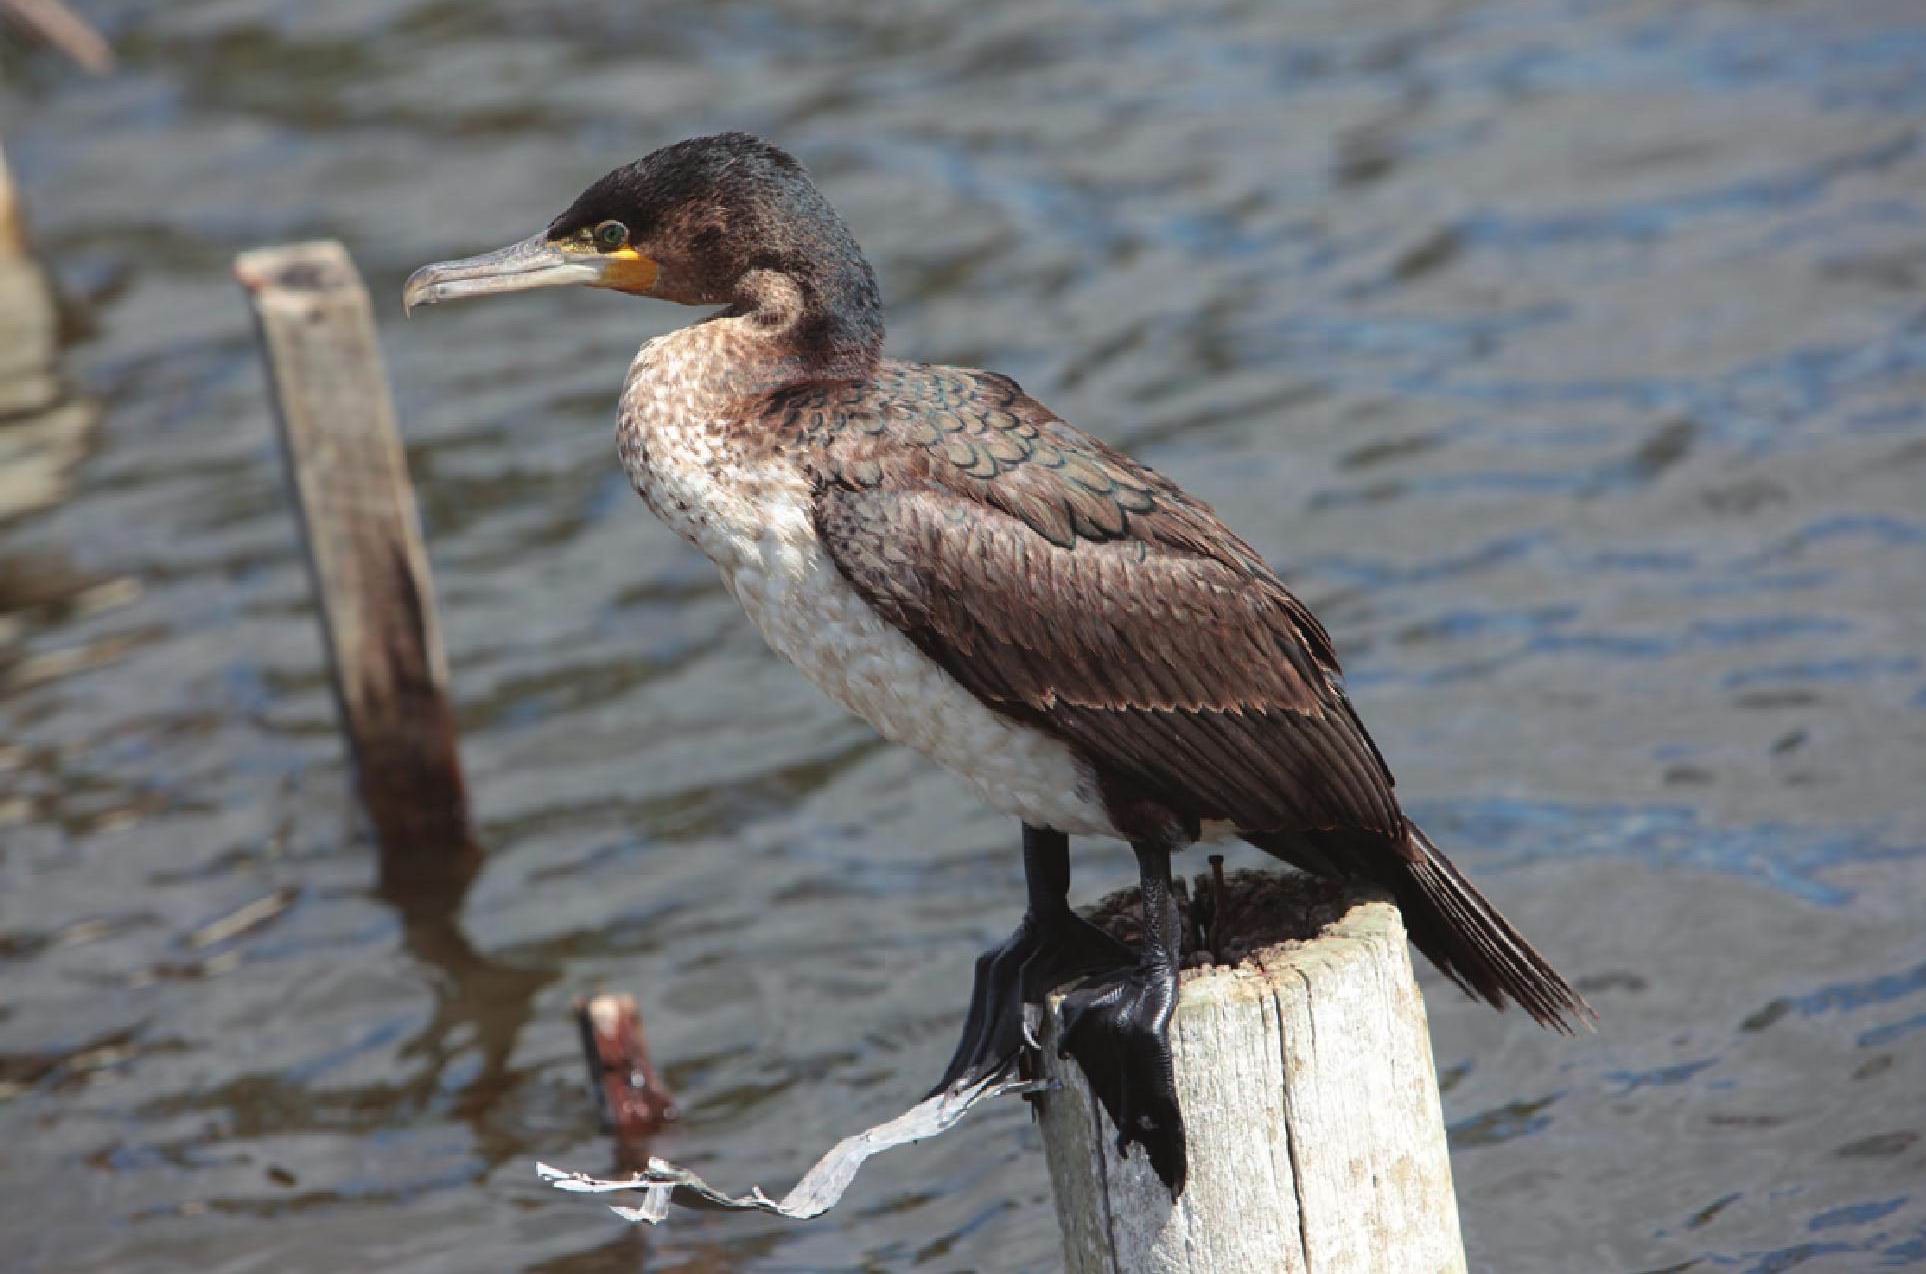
(1046, 951)
(1117, 1029)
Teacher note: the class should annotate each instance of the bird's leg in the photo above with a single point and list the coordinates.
(1117, 1027)
(1051, 945)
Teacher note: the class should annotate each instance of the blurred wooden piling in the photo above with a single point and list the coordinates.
(45, 428)
(55, 24)
(349, 479)
(1315, 1134)
(630, 1095)
(13, 222)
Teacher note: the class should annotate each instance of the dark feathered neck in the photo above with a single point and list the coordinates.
(819, 304)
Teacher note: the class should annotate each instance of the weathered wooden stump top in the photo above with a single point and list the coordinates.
(1304, 1072)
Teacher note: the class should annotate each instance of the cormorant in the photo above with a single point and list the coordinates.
(1084, 643)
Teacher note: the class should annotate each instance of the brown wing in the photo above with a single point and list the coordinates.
(1070, 587)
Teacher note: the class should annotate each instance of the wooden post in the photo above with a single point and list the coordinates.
(45, 429)
(1315, 1136)
(13, 222)
(631, 1096)
(54, 23)
(349, 479)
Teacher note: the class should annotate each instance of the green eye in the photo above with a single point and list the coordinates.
(611, 235)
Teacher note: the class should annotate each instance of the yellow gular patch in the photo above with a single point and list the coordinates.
(627, 270)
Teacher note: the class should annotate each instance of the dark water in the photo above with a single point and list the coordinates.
(1570, 356)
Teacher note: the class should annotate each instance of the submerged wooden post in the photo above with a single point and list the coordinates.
(1315, 1135)
(349, 479)
(629, 1093)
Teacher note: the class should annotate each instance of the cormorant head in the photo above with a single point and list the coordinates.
(724, 220)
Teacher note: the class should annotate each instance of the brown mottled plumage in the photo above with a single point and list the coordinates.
(1069, 586)
(1066, 584)
(1085, 643)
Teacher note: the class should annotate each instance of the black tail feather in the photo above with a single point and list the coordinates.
(1450, 922)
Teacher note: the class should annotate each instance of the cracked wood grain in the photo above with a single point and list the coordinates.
(1316, 1136)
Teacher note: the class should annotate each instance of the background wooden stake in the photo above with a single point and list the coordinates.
(633, 1101)
(349, 479)
(54, 23)
(45, 428)
(1311, 1107)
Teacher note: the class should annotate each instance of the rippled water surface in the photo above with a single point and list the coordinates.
(1568, 355)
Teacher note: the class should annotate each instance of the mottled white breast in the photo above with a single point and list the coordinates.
(750, 513)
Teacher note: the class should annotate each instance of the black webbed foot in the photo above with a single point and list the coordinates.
(1118, 1030)
(1048, 949)
(1117, 1026)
